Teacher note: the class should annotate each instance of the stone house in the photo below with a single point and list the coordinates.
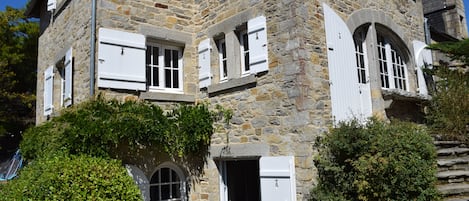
(288, 69)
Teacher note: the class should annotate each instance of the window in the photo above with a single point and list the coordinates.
(167, 184)
(67, 76)
(244, 47)
(392, 67)
(242, 50)
(163, 67)
(360, 53)
(223, 60)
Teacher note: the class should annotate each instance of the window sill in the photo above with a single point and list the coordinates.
(397, 94)
(231, 85)
(168, 97)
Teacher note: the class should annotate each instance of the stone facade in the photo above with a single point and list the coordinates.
(276, 113)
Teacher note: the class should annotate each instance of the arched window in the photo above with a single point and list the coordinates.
(168, 184)
(392, 66)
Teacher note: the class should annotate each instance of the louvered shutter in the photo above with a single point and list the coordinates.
(423, 59)
(121, 63)
(257, 39)
(68, 78)
(48, 90)
(51, 5)
(277, 175)
(345, 94)
(205, 76)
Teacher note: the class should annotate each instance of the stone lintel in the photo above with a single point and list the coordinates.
(233, 151)
(166, 34)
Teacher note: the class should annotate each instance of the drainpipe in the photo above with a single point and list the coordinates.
(93, 46)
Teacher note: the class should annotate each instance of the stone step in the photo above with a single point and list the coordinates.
(446, 144)
(447, 162)
(457, 199)
(454, 189)
(452, 151)
(452, 174)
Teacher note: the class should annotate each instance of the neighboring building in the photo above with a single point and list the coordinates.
(288, 69)
(446, 21)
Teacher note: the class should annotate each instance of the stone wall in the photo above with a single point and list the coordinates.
(279, 114)
(66, 29)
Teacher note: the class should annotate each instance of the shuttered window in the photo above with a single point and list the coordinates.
(48, 90)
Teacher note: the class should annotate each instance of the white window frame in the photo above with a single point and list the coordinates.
(161, 69)
(361, 57)
(182, 181)
(223, 60)
(391, 65)
(245, 69)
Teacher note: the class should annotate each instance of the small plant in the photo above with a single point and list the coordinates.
(376, 161)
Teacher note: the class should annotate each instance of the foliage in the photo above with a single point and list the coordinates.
(98, 127)
(449, 108)
(376, 161)
(64, 177)
(18, 59)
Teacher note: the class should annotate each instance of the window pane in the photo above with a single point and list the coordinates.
(154, 192)
(148, 75)
(155, 178)
(165, 194)
(167, 78)
(246, 61)
(225, 69)
(164, 175)
(156, 77)
(223, 49)
(167, 58)
(155, 55)
(175, 58)
(175, 78)
(148, 55)
(174, 176)
(245, 42)
(175, 191)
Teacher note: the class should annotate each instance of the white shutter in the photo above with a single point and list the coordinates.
(345, 92)
(140, 179)
(423, 59)
(121, 60)
(48, 90)
(68, 78)
(277, 175)
(257, 39)
(205, 76)
(51, 5)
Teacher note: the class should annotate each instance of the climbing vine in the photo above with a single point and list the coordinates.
(99, 126)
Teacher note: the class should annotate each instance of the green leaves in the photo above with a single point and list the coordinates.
(62, 177)
(97, 127)
(376, 161)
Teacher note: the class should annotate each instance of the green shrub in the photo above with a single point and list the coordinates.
(376, 161)
(97, 127)
(71, 178)
(449, 107)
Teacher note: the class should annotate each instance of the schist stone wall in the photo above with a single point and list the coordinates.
(276, 113)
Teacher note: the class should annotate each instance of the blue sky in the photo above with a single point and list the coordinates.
(12, 3)
(22, 3)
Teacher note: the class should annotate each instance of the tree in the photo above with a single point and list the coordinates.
(18, 59)
(449, 107)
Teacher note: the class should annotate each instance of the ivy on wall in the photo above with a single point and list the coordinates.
(99, 126)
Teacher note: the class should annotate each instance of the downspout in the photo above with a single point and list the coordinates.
(93, 46)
